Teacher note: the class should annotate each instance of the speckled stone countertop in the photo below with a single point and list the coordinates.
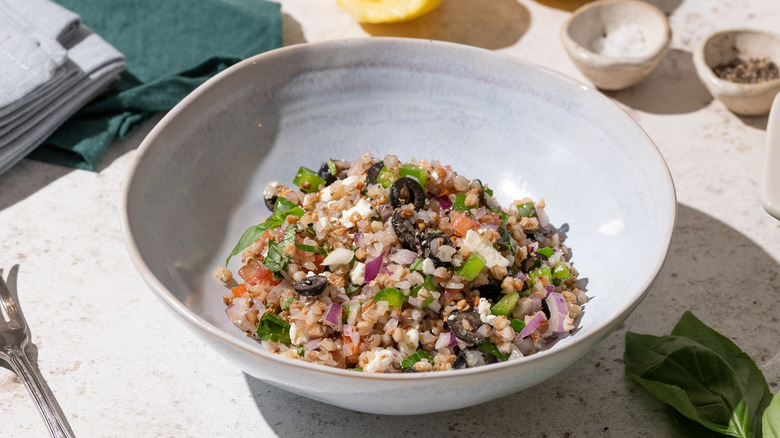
(120, 365)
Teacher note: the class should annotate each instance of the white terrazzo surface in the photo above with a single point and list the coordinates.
(121, 366)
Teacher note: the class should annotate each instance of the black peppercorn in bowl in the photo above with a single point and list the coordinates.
(739, 67)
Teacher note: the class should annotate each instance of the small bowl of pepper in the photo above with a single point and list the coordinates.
(616, 43)
(739, 68)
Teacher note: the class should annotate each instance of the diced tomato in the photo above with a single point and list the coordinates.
(238, 291)
(255, 273)
(461, 223)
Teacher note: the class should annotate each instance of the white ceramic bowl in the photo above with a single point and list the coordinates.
(196, 184)
(616, 43)
(725, 46)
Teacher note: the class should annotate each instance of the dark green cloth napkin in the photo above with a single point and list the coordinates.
(171, 46)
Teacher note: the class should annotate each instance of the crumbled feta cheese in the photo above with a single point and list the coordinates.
(298, 337)
(428, 267)
(380, 362)
(326, 195)
(478, 243)
(485, 315)
(358, 273)
(408, 345)
(338, 256)
(362, 208)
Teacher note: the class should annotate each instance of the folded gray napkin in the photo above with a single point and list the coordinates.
(50, 67)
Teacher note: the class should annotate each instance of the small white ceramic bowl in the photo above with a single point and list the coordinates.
(616, 43)
(196, 184)
(724, 46)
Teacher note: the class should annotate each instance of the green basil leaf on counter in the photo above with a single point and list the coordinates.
(771, 419)
(754, 385)
(701, 374)
(691, 378)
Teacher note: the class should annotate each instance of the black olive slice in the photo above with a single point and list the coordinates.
(431, 244)
(372, 174)
(270, 202)
(405, 231)
(325, 174)
(311, 286)
(490, 291)
(464, 325)
(406, 190)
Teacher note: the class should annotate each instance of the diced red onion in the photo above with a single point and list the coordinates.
(372, 268)
(403, 257)
(385, 210)
(356, 238)
(414, 301)
(559, 312)
(550, 288)
(311, 345)
(237, 312)
(444, 202)
(520, 276)
(480, 213)
(333, 316)
(531, 326)
(453, 340)
(444, 340)
(492, 227)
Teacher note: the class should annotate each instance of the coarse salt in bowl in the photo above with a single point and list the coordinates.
(616, 43)
(197, 183)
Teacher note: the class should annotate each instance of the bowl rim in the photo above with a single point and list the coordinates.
(195, 322)
(585, 54)
(726, 87)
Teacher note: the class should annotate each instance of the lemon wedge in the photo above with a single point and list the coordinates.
(387, 11)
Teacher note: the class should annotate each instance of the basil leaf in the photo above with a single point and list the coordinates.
(275, 260)
(273, 328)
(249, 237)
(416, 357)
(752, 380)
(282, 209)
(771, 419)
(691, 378)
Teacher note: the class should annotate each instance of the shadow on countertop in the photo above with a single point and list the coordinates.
(489, 25)
(712, 269)
(671, 88)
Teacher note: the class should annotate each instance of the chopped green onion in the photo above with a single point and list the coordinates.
(414, 358)
(332, 167)
(544, 271)
(286, 303)
(547, 252)
(526, 210)
(393, 296)
(310, 248)
(351, 289)
(429, 285)
(308, 180)
(386, 177)
(273, 328)
(418, 172)
(472, 267)
(301, 351)
(460, 202)
(516, 324)
(417, 265)
(489, 347)
(561, 272)
(506, 304)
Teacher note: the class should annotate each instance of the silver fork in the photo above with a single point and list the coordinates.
(14, 335)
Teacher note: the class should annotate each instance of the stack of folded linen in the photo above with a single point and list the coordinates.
(50, 66)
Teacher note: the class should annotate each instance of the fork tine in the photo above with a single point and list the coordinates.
(9, 305)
